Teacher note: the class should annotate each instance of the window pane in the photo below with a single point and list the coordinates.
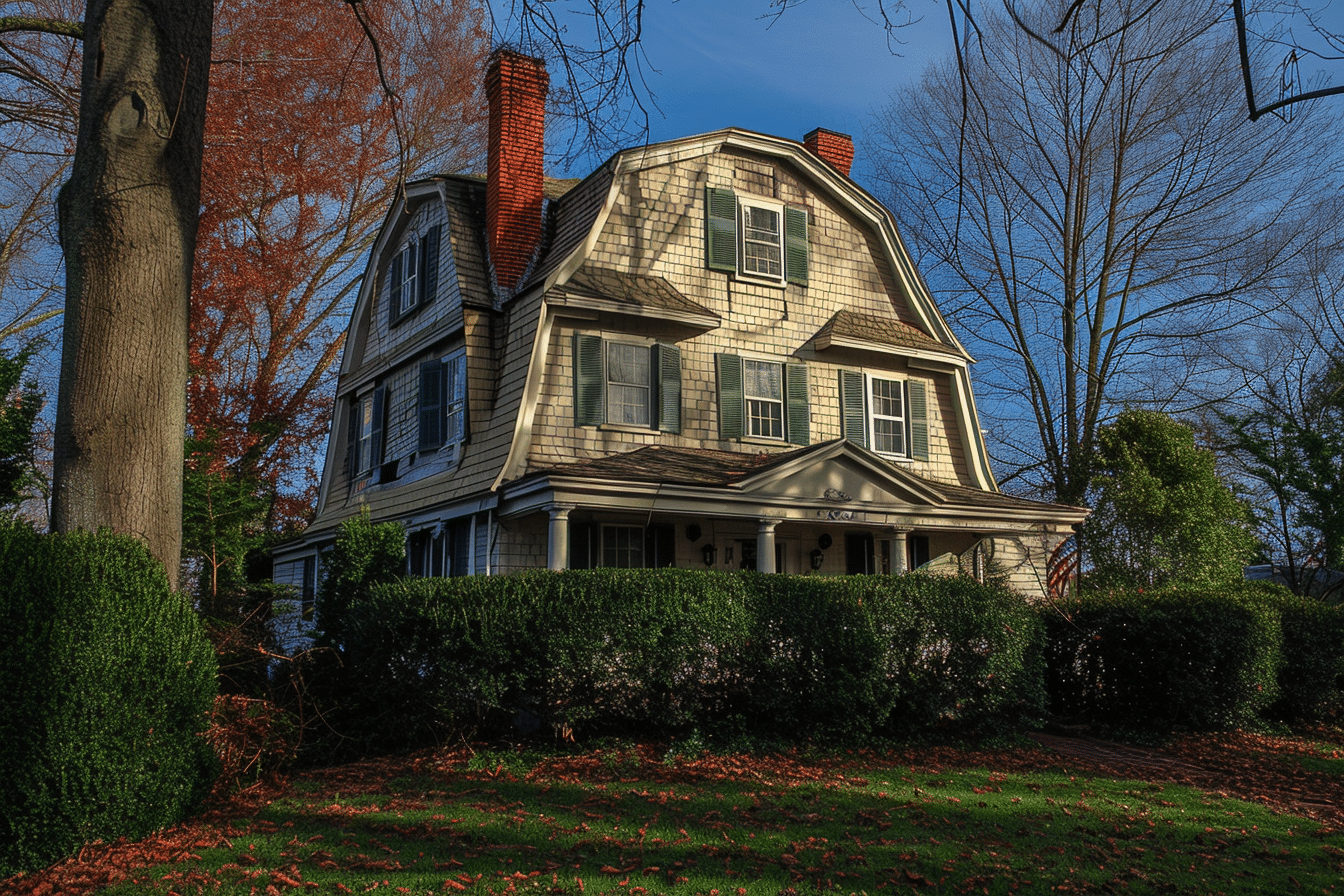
(761, 223)
(763, 379)
(887, 398)
(762, 251)
(628, 391)
(765, 418)
(623, 547)
(408, 271)
(887, 413)
(888, 436)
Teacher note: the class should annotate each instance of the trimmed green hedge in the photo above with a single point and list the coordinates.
(1165, 661)
(671, 651)
(106, 682)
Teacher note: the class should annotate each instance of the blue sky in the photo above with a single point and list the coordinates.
(726, 63)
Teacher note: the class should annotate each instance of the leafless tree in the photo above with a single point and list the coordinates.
(1094, 210)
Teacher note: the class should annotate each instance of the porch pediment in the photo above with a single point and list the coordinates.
(841, 473)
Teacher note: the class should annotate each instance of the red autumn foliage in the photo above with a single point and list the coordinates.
(304, 151)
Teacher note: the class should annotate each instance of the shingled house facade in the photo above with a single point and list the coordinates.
(710, 352)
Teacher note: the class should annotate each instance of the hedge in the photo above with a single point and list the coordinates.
(672, 651)
(1178, 659)
(106, 681)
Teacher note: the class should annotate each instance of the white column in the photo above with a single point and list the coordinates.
(557, 545)
(765, 545)
(900, 563)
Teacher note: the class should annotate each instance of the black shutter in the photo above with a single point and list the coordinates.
(431, 405)
(352, 443)
(429, 265)
(394, 293)
(379, 428)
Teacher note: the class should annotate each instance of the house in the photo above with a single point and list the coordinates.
(710, 352)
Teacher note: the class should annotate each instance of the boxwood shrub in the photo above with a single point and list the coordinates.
(1163, 661)
(663, 652)
(106, 681)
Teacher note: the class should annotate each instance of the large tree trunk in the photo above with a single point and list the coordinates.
(128, 230)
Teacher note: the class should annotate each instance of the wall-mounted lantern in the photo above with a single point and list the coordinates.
(817, 558)
(708, 553)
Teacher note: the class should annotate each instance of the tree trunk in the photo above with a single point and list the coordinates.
(128, 231)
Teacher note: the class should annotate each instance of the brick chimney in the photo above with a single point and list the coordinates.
(515, 88)
(833, 147)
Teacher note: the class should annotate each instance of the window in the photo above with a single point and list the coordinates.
(443, 402)
(444, 550)
(367, 416)
(626, 384)
(888, 415)
(623, 547)
(755, 237)
(763, 400)
(413, 277)
(763, 391)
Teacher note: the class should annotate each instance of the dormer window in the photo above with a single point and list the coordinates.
(755, 238)
(413, 275)
(407, 294)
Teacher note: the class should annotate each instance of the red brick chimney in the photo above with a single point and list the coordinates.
(833, 147)
(515, 88)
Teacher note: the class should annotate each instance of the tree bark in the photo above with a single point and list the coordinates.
(128, 231)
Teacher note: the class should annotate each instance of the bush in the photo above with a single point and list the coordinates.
(1166, 660)
(668, 652)
(1311, 676)
(106, 682)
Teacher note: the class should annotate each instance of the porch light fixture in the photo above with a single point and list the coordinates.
(708, 552)
(817, 558)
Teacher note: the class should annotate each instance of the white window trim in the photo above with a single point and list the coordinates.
(782, 402)
(454, 399)
(608, 382)
(364, 444)
(745, 201)
(410, 274)
(872, 416)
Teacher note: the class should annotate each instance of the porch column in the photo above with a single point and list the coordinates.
(900, 563)
(765, 545)
(557, 544)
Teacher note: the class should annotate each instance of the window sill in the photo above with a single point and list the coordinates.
(764, 440)
(756, 280)
(624, 427)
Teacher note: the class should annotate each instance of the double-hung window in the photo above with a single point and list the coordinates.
(413, 275)
(443, 402)
(886, 414)
(367, 416)
(755, 237)
(761, 399)
(620, 383)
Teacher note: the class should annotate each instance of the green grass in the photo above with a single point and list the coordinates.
(859, 828)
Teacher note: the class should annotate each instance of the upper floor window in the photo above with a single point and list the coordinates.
(413, 276)
(626, 383)
(888, 415)
(367, 415)
(443, 402)
(763, 399)
(755, 237)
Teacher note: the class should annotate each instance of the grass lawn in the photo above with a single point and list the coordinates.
(636, 820)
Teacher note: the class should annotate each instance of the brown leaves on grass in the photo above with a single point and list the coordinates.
(1275, 771)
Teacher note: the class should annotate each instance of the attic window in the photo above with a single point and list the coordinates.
(413, 276)
(755, 238)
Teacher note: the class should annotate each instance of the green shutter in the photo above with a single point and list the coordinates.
(668, 361)
(797, 413)
(352, 441)
(431, 405)
(721, 230)
(795, 245)
(589, 380)
(429, 265)
(919, 421)
(394, 294)
(853, 416)
(730, 396)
